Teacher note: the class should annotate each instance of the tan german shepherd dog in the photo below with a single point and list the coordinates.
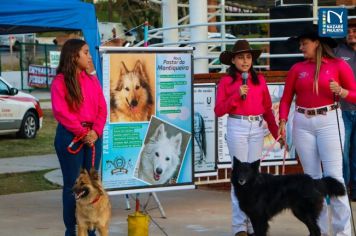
(93, 208)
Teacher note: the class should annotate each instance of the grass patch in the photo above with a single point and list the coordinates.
(10, 146)
(25, 182)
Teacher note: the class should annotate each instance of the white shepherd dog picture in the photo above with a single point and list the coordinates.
(162, 153)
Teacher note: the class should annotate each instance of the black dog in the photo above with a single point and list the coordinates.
(262, 196)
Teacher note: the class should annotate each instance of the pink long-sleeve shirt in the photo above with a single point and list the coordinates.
(257, 102)
(300, 81)
(93, 108)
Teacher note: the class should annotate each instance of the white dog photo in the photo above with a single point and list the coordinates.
(160, 157)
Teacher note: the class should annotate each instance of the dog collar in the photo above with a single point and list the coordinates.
(96, 199)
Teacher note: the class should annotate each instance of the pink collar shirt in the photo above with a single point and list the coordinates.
(257, 102)
(93, 108)
(300, 81)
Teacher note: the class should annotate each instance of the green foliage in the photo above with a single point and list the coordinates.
(131, 13)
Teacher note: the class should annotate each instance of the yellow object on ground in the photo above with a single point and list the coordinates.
(138, 224)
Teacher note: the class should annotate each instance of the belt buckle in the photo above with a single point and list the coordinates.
(250, 118)
(307, 114)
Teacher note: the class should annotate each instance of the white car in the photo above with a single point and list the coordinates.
(20, 112)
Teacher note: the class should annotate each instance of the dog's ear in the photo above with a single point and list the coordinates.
(95, 180)
(94, 175)
(236, 162)
(124, 69)
(139, 69)
(159, 132)
(256, 165)
(83, 171)
(177, 141)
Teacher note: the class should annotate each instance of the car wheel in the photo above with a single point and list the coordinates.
(29, 126)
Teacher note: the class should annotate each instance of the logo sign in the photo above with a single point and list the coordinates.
(332, 22)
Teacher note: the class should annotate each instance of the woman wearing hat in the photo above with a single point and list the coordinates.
(316, 82)
(247, 104)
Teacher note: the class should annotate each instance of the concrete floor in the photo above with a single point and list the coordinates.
(189, 213)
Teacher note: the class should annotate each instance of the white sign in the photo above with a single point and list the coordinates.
(204, 128)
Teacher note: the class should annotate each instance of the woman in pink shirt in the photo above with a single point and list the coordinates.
(243, 95)
(318, 83)
(79, 107)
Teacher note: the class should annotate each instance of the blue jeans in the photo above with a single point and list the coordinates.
(70, 166)
(349, 159)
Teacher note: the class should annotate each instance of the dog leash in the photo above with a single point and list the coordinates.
(270, 148)
(75, 140)
(284, 154)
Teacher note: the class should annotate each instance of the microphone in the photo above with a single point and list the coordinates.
(244, 81)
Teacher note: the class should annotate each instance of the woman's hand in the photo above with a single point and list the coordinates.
(337, 89)
(334, 86)
(281, 142)
(243, 89)
(282, 132)
(90, 138)
(282, 128)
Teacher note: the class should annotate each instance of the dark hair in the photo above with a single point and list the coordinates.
(232, 70)
(68, 67)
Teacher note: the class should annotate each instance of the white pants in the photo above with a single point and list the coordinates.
(317, 142)
(245, 142)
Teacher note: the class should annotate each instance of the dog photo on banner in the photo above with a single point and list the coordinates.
(132, 89)
(162, 153)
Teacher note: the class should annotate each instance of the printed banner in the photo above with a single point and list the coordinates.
(204, 128)
(147, 137)
(37, 76)
(223, 151)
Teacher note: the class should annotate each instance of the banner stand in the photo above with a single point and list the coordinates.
(144, 207)
(159, 205)
(145, 210)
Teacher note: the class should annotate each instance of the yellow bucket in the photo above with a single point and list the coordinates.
(138, 224)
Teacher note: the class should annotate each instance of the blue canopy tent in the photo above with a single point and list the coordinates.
(28, 16)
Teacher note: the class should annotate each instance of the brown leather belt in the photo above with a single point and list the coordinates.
(249, 118)
(317, 111)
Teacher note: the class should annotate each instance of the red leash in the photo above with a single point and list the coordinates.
(75, 140)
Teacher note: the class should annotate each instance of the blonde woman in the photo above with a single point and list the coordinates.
(317, 82)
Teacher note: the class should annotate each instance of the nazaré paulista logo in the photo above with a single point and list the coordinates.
(332, 22)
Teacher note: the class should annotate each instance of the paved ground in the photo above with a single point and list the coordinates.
(196, 212)
(189, 212)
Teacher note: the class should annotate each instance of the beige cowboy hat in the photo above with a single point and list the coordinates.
(239, 47)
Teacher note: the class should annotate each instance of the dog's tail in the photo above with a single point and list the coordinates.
(330, 186)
